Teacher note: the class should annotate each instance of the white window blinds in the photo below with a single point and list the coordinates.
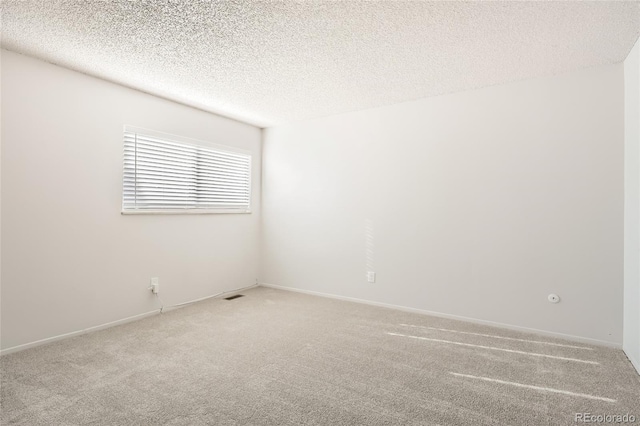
(162, 174)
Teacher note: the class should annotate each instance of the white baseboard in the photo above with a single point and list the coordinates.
(114, 323)
(455, 317)
(77, 333)
(122, 321)
(633, 361)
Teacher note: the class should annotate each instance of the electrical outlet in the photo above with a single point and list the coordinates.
(155, 285)
(371, 277)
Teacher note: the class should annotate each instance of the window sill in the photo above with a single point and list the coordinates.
(185, 211)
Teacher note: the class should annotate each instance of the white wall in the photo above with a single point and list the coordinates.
(70, 260)
(476, 204)
(631, 340)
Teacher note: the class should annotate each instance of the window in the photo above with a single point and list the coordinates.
(169, 174)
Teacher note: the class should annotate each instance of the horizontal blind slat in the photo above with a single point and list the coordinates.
(158, 158)
(142, 145)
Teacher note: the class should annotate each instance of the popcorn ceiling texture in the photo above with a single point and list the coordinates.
(269, 63)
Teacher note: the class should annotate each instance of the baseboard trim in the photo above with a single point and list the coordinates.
(115, 323)
(573, 338)
(77, 333)
(223, 293)
(633, 361)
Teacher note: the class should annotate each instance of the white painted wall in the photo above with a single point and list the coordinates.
(476, 204)
(0, 199)
(70, 260)
(631, 339)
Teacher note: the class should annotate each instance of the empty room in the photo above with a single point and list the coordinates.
(319, 212)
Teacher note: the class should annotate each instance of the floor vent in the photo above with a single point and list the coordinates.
(233, 297)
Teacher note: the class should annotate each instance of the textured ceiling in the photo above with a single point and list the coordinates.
(268, 63)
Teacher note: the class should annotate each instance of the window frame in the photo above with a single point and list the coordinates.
(183, 140)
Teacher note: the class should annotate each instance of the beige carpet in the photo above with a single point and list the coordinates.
(282, 358)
